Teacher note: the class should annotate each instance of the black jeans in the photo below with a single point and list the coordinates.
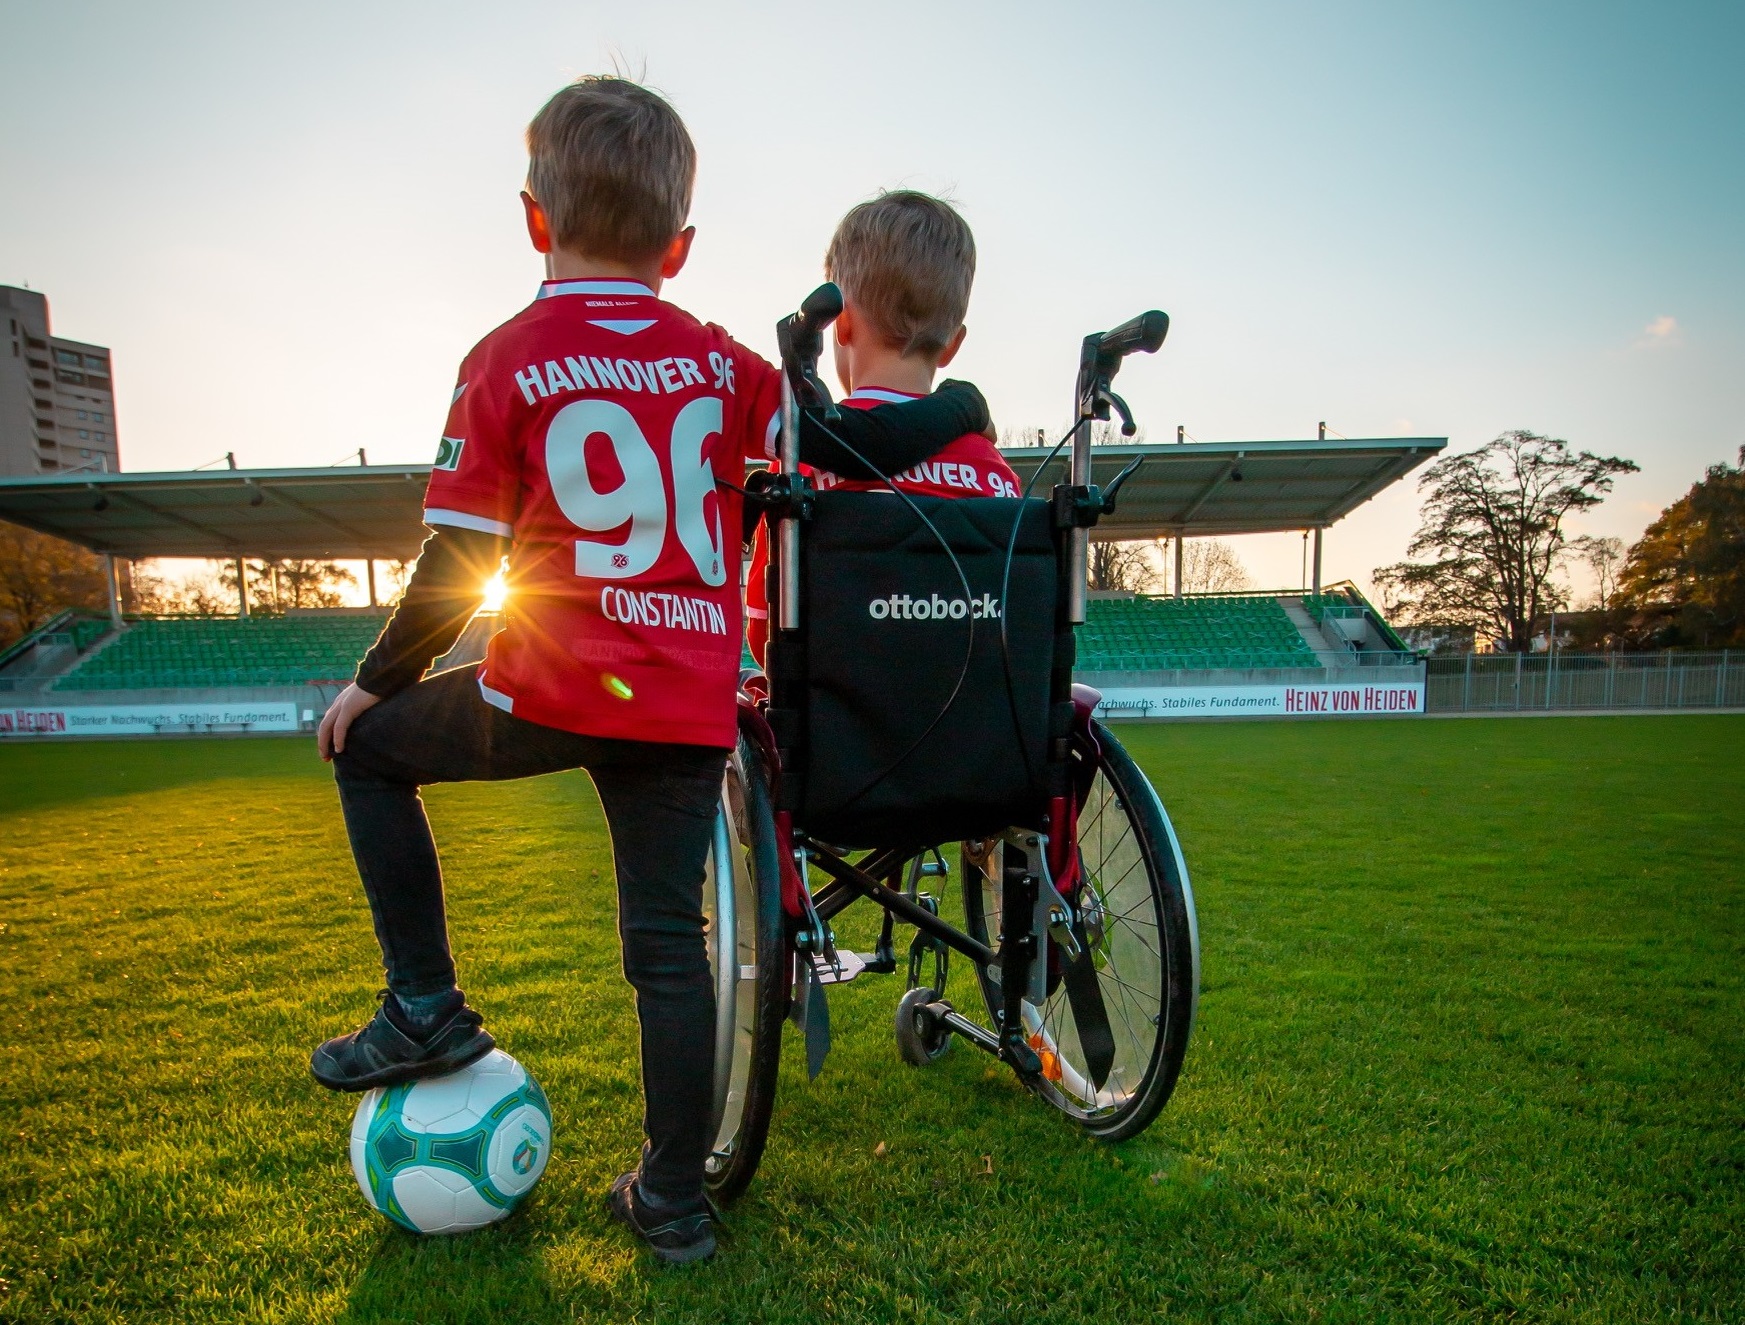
(660, 802)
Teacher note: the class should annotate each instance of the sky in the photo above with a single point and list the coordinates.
(290, 223)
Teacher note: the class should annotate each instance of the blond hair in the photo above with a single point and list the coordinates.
(612, 165)
(907, 261)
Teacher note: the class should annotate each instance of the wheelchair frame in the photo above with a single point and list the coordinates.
(1045, 939)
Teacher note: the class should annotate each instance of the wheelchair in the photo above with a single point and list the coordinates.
(919, 710)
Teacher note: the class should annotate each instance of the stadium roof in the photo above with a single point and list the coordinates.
(1197, 489)
(1202, 489)
(294, 514)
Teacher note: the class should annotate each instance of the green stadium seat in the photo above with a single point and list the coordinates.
(188, 652)
(1143, 634)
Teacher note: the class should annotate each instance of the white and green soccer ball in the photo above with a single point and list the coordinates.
(452, 1153)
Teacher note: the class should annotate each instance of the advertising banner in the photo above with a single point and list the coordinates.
(1340, 700)
(144, 719)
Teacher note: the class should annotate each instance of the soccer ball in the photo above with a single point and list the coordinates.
(452, 1153)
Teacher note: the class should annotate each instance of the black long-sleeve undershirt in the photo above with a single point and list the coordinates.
(447, 587)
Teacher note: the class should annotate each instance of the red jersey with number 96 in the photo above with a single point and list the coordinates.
(591, 429)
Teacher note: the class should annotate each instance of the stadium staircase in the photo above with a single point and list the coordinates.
(51, 648)
(171, 652)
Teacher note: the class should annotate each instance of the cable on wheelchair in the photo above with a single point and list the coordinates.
(1005, 596)
(963, 578)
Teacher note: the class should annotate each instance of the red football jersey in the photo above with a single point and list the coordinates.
(969, 467)
(591, 429)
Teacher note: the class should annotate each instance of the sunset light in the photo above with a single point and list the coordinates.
(496, 590)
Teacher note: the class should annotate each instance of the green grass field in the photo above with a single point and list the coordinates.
(1471, 1047)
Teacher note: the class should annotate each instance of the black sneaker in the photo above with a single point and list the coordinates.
(382, 1054)
(676, 1239)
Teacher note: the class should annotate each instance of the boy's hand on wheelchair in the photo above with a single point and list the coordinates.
(352, 701)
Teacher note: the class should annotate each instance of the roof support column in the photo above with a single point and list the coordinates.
(1178, 563)
(110, 572)
(241, 587)
(370, 575)
(1317, 580)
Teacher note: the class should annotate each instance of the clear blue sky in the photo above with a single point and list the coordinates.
(291, 221)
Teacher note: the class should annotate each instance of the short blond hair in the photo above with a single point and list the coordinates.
(907, 261)
(612, 165)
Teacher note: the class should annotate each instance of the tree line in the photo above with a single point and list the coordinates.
(1488, 561)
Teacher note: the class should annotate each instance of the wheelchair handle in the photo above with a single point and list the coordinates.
(1100, 359)
(800, 338)
(1144, 333)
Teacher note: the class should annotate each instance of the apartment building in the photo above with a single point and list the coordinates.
(57, 396)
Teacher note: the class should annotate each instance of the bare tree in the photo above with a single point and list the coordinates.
(1491, 531)
(1605, 558)
(1031, 437)
(398, 576)
(279, 586)
(1210, 565)
(201, 594)
(1130, 567)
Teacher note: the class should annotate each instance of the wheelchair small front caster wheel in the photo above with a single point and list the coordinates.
(922, 1038)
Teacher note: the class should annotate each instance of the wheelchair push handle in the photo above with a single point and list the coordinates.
(1144, 333)
(1099, 360)
(800, 338)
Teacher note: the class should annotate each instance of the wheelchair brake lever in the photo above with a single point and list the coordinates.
(1107, 397)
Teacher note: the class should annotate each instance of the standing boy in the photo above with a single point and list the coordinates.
(905, 262)
(591, 439)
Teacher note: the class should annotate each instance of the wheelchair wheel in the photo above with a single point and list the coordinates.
(742, 904)
(1139, 912)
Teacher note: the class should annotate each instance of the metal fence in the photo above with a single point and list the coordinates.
(1520, 683)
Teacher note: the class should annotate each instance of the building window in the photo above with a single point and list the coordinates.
(62, 375)
(97, 362)
(67, 357)
(84, 455)
(44, 405)
(81, 416)
(101, 383)
(48, 463)
(34, 343)
(47, 424)
(84, 436)
(102, 438)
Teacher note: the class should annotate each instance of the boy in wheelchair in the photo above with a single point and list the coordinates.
(905, 262)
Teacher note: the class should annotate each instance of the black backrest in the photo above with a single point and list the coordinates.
(903, 721)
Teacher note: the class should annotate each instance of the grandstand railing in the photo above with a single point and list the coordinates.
(74, 629)
(1597, 682)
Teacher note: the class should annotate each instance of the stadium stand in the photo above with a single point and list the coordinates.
(228, 651)
(1144, 633)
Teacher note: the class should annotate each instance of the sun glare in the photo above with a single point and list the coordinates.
(496, 590)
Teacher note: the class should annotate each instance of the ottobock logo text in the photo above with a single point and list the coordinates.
(905, 607)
